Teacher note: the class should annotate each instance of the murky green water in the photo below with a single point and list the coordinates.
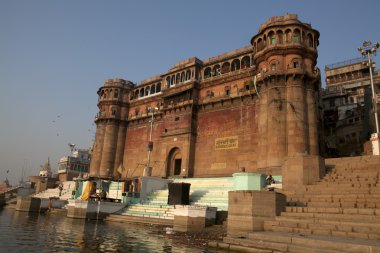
(30, 232)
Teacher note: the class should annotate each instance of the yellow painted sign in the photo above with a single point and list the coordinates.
(230, 142)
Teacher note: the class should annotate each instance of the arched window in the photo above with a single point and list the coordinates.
(207, 73)
(116, 93)
(141, 93)
(173, 80)
(168, 82)
(295, 63)
(280, 36)
(245, 62)
(113, 111)
(216, 70)
(147, 89)
(260, 45)
(182, 77)
(158, 87)
(188, 75)
(288, 33)
(153, 89)
(272, 38)
(177, 78)
(137, 94)
(310, 40)
(225, 67)
(235, 65)
(296, 36)
(102, 94)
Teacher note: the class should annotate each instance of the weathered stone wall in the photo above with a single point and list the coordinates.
(251, 108)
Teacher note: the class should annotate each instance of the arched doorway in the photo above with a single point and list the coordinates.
(174, 164)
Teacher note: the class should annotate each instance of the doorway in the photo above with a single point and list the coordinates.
(174, 163)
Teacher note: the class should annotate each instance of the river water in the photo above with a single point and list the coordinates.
(33, 232)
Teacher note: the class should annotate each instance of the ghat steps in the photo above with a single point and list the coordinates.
(203, 191)
(340, 213)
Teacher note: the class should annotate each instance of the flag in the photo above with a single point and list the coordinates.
(120, 169)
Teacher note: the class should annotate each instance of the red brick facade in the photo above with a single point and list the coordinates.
(249, 108)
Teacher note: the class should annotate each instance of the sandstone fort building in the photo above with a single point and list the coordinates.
(254, 108)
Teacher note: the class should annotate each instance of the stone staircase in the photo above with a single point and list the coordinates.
(203, 191)
(340, 213)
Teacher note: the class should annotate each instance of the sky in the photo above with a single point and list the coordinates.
(54, 56)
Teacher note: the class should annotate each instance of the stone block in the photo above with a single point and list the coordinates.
(193, 218)
(302, 170)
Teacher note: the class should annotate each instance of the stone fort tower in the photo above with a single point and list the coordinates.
(111, 127)
(255, 107)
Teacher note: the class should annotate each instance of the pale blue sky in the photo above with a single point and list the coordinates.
(54, 55)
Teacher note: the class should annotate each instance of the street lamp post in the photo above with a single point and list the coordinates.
(366, 51)
(148, 169)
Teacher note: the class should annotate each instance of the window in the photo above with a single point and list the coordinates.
(245, 62)
(225, 67)
(235, 65)
(116, 94)
(273, 40)
(216, 70)
(296, 36)
(273, 66)
(207, 73)
(295, 64)
(158, 87)
(188, 75)
(153, 89)
(176, 119)
(228, 92)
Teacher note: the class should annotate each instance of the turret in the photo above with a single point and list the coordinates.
(111, 122)
(285, 53)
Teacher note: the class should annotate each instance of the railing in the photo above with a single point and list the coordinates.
(345, 63)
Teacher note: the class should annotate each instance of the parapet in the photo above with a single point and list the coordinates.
(282, 20)
(118, 82)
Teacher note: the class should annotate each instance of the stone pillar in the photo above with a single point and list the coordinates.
(96, 156)
(247, 210)
(301, 170)
(109, 148)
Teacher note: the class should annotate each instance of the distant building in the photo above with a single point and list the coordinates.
(45, 171)
(347, 105)
(77, 164)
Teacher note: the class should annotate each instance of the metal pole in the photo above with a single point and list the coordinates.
(150, 138)
(374, 105)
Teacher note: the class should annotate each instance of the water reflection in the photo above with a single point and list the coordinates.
(30, 232)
